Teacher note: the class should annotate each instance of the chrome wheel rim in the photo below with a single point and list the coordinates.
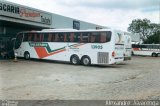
(74, 60)
(85, 61)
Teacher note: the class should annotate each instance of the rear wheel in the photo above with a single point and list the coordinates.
(74, 60)
(86, 60)
(154, 55)
(27, 55)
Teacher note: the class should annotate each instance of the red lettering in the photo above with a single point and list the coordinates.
(24, 13)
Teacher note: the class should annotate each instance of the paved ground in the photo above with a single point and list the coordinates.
(137, 79)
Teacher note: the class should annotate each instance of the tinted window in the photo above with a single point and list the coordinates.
(34, 37)
(18, 41)
(30, 37)
(45, 37)
(143, 46)
(84, 37)
(135, 46)
(37, 37)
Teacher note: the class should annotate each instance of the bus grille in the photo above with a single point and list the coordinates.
(103, 57)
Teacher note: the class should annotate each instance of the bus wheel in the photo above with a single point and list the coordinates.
(158, 54)
(153, 54)
(74, 59)
(86, 60)
(132, 53)
(27, 55)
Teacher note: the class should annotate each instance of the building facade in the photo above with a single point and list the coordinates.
(15, 18)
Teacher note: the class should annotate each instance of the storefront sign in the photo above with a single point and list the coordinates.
(24, 13)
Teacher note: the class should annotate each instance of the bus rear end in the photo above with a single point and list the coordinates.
(118, 53)
(113, 51)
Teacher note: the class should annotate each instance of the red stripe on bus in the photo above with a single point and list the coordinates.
(136, 49)
(41, 52)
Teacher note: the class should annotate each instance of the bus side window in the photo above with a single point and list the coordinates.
(25, 38)
(56, 37)
(81, 37)
(108, 36)
(97, 37)
(53, 37)
(85, 37)
(45, 37)
(103, 37)
(35, 37)
(50, 38)
(61, 37)
(30, 37)
(39, 37)
(65, 37)
(71, 37)
(92, 38)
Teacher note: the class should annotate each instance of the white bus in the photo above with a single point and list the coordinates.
(146, 49)
(102, 47)
(127, 46)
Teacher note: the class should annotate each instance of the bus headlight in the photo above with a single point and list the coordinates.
(15, 54)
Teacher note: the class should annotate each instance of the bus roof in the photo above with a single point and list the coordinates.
(65, 30)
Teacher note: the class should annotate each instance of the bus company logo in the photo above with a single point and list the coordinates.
(24, 13)
(38, 44)
(128, 40)
(120, 37)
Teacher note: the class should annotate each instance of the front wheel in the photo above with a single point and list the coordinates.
(27, 55)
(154, 55)
(86, 60)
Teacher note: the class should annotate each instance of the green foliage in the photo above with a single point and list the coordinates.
(149, 32)
(153, 39)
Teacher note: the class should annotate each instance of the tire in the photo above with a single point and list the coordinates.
(132, 53)
(74, 60)
(27, 55)
(158, 54)
(154, 55)
(86, 60)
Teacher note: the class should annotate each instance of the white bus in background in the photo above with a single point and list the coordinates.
(102, 47)
(127, 46)
(146, 49)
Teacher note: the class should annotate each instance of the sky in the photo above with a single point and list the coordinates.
(116, 14)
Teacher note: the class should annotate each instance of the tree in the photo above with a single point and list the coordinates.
(153, 39)
(141, 27)
(149, 32)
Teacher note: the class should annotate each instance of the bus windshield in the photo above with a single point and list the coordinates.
(18, 41)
